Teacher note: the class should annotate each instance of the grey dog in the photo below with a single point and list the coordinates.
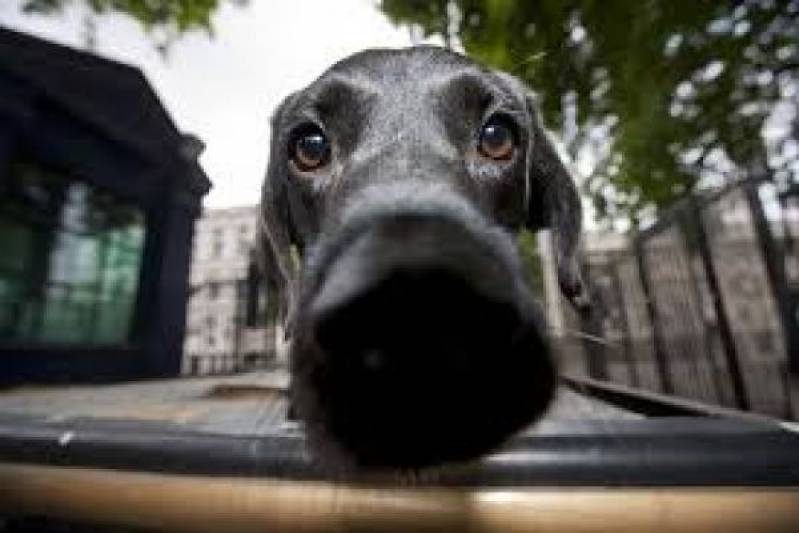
(396, 184)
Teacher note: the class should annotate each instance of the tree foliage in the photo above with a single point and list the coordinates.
(652, 98)
(166, 20)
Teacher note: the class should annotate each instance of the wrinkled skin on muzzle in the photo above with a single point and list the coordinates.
(415, 339)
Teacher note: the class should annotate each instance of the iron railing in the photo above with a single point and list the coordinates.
(702, 304)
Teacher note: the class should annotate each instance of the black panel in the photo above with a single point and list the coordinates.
(653, 452)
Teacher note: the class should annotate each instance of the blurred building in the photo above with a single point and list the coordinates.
(221, 337)
(99, 191)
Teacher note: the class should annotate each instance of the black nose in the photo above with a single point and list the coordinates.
(421, 346)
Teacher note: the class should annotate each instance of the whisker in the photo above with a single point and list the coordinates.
(587, 336)
(526, 60)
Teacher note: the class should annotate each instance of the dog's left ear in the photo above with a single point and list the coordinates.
(273, 244)
(553, 203)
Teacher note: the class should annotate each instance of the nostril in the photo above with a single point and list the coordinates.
(374, 360)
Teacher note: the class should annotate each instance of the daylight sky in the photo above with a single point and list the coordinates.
(224, 88)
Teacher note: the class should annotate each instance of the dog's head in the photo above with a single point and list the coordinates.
(396, 182)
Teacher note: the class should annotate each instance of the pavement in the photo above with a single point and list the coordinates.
(252, 403)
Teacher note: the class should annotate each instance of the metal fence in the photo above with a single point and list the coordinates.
(224, 363)
(702, 305)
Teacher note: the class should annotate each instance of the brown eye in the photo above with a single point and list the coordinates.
(497, 139)
(310, 148)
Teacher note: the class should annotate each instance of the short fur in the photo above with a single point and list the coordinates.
(403, 125)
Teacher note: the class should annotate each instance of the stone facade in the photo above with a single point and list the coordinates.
(218, 339)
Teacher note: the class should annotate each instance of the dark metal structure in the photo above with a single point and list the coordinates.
(674, 451)
(98, 195)
(702, 305)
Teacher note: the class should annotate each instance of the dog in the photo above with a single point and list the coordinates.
(396, 184)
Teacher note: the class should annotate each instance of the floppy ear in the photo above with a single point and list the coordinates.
(273, 239)
(553, 203)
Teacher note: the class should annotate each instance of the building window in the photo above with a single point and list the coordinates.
(69, 273)
(217, 244)
(213, 290)
(210, 325)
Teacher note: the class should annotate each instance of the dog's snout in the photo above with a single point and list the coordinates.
(399, 248)
(420, 344)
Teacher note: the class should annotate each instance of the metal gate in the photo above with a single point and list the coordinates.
(700, 305)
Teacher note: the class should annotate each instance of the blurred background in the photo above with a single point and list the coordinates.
(680, 121)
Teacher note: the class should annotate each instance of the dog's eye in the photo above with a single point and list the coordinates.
(497, 139)
(310, 148)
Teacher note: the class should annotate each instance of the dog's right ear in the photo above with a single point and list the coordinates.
(554, 203)
(273, 236)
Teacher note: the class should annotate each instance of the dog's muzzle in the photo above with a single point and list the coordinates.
(417, 342)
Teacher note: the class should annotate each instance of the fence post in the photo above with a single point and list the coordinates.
(775, 269)
(657, 335)
(615, 278)
(725, 331)
(591, 324)
(596, 353)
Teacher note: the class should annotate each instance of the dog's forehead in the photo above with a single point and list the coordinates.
(408, 72)
(376, 63)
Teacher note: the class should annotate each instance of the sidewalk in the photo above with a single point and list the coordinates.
(253, 403)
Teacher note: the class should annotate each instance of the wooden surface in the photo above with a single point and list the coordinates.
(193, 503)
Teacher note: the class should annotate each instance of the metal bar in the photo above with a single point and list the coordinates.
(776, 273)
(672, 451)
(629, 356)
(725, 331)
(657, 334)
(591, 323)
(693, 326)
(667, 214)
(654, 404)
